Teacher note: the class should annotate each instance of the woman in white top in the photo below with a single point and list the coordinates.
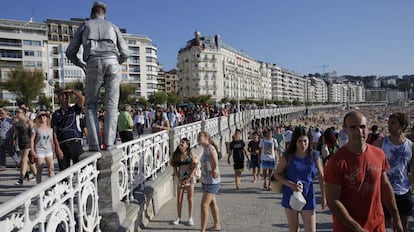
(41, 143)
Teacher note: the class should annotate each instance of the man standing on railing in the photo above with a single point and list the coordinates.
(67, 133)
(104, 49)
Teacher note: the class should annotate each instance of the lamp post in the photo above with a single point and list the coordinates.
(238, 90)
(52, 83)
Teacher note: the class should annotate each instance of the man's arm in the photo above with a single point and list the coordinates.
(388, 200)
(412, 168)
(58, 151)
(73, 48)
(338, 209)
(80, 99)
(122, 46)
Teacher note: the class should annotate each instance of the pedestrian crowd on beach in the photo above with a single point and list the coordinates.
(364, 172)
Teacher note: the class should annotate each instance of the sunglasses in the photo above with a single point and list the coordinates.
(43, 115)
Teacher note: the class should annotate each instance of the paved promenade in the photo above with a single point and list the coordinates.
(249, 209)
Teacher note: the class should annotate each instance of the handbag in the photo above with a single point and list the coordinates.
(297, 201)
(197, 173)
(275, 185)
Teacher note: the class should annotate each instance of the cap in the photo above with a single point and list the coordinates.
(99, 4)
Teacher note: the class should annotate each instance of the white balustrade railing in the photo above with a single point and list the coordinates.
(67, 201)
(211, 126)
(224, 123)
(142, 159)
(189, 131)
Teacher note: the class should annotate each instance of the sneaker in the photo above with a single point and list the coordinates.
(19, 182)
(176, 222)
(2, 168)
(31, 177)
(190, 222)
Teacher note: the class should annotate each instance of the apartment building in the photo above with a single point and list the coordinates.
(287, 85)
(22, 43)
(168, 81)
(206, 65)
(316, 90)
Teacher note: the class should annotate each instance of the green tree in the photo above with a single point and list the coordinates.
(200, 99)
(233, 101)
(224, 100)
(127, 94)
(142, 101)
(3, 103)
(45, 103)
(26, 84)
(174, 98)
(158, 98)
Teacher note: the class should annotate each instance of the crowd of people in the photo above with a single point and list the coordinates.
(363, 176)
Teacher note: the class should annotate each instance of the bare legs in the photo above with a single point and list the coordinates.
(39, 164)
(25, 164)
(209, 201)
(266, 183)
(308, 217)
(237, 176)
(180, 198)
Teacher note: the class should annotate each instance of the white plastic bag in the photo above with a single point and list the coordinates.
(325, 151)
(297, 201)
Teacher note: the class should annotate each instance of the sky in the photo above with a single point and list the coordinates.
(352, 37)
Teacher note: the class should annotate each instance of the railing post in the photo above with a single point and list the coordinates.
(111, 206)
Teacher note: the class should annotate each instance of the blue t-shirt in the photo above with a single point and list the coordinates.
(67, 124)
(303, 170)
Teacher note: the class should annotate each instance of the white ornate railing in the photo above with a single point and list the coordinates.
(189, 131)
(211, 126)
(141, 160)
(224, 123)
(67, 201)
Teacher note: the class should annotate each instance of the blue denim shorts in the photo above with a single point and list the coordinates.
(268, 164)
(211, 188)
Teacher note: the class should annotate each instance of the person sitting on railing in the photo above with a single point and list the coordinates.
(160, 121)
(184, 165)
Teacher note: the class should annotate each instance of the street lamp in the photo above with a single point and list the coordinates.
(238, 90)
(52, 83)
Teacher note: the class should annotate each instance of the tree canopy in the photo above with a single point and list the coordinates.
(158, 98)
(26, 84)
(127, 94)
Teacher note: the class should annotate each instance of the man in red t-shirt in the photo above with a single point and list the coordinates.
(356, 182)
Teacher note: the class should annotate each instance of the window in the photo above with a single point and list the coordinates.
(65, 29)
(150, 59)
(134, 50)
(55, 62)
(151, 68)
(39, 64)
(55, 50)
(10, 42)
(150, 51)
(124, 76)
(32, 43)
(29, 53)
(133, 42)
(29, 64)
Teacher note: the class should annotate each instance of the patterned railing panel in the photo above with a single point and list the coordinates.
(224, 123)
(189, 131)
(211, 126)
(142, 159)
(67, 201)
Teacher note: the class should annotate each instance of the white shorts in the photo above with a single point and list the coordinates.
(44, 155)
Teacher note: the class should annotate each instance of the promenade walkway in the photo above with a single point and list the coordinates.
(249, 209)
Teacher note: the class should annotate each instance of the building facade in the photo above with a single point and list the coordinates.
(287, 85)
(141, 69)
(22, 43)
(60, 69)
(207, 66)
(316, 90)
(168, 81)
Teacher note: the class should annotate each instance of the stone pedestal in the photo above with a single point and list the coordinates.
(111, 208)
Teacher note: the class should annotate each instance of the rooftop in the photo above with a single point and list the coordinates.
(25, 25)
